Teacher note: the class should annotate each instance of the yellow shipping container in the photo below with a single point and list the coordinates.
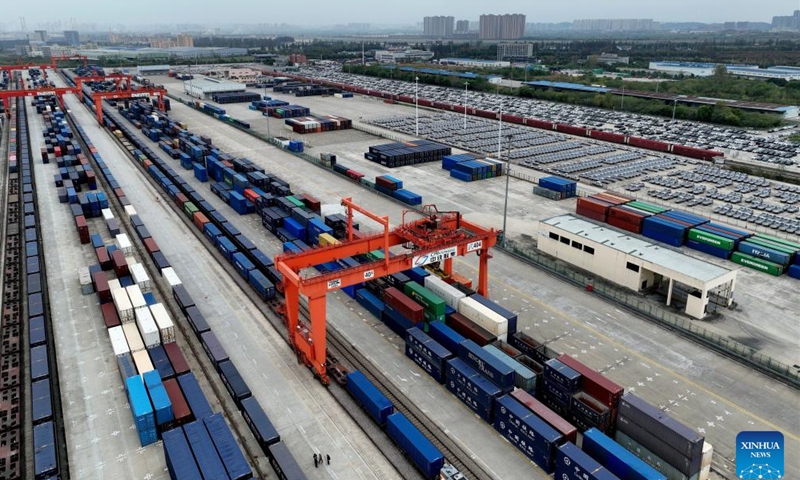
(326, 239)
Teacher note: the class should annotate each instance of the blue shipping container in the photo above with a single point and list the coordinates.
(496, 371)
(229, 451)
(373, 304)
(204, 452)
(178, 454)
(433, 369)
(564, 376)
(421, 451)
(446, 336)
(709, 249)
(194, 396)
(773, 256)
(573, 464)
(142, 410)
(543, 436)
(525, 445)
(458, 373)
(374, 402)
(427, 346)
(616, 459)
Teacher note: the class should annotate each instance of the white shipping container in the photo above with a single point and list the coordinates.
(147, 327)
(133, 337)
(705, 472)
(123, 304)
(118, 341)
(170, 276)
(124, 244)
(164, 322)
(142, 361)
(451, 295)
(107, 214)
(114, 284)
(129, 210)
(140, 276)
(84, 277)
(708, 452)
(483, 316)
(135, 294)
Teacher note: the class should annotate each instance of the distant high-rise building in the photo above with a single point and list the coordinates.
(614, 25)
(787, 22)
(514, 51)
(438, 26)
(71, 37)
(462, 26)
(40, 35)
(184, 41)
(502, 27)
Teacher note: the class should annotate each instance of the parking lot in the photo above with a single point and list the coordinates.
(738, 142)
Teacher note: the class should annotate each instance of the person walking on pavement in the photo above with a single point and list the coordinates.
(328, 458)
(316, 461)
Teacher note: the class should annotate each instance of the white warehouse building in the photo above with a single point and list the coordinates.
(637, 264)
(204, 87)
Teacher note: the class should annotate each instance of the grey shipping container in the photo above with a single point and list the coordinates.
(685, 440)
(216, 353)
(655, 444)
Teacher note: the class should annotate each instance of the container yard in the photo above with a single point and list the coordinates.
(203, 256)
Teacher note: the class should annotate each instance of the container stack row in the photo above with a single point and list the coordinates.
(286, 111)
(407, 153)
(236, 97)
(322, 123)
(266, 104)
(764, 253)
(556, 188)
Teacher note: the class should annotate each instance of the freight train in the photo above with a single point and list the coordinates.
(677, 149)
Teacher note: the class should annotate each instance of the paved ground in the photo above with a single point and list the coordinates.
(699, 387)
(758, 296)
(308, 419)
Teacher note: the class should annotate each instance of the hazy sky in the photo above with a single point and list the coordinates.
(308, 12)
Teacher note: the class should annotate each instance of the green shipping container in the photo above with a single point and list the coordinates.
(296, 202)
(189, 208)
(757, 264)
(376, 255)
(710, 239)
(434, 306)
(647, 207)
(780, 241)
(780, 247)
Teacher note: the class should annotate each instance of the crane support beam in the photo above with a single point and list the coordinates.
(144, 92)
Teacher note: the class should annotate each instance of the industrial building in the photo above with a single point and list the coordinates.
(615, 25)
(610, 59)
(685, 68)
(462, 26)
(513, 51)
(471, 62)
(502, 27)
(146, 70)
(439, 26)
(71, 37)
(781, 72)
(136, 54)
(637, 264)
(408, 55)
(204, 87)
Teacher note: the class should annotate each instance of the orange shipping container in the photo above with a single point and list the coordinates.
(251, 195)
(200, 220)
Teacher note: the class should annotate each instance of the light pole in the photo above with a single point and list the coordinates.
(674, 107)
(416, 107)
(505, 203)
(466, 91)
(622, 102)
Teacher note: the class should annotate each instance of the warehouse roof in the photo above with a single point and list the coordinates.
(666, 258)
(153, 68)
(213, 85)
(566, 86)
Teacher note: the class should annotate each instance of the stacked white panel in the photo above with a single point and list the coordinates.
(84, 277)
(107, 214)
(124, 244)
(142, 361)
(450, 294)
(132, 335)
(114, 284)
(170, 277)
(147, 327)
(140, 277)
(123, 304)
(135, 294)
(129, 210)
(118, 341)
(490, 320)
(165, 325)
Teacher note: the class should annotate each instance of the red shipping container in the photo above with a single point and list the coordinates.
(101, 286)
(119, 193)
(151, 246)
(312, 203)
(83, 229)
(176, 358)
(550, 417)
(44, 153)
(612, 198)
(199, 220)
(103, 259)
(595, 384)
(147, 164)
(385, 183)
(110, 317)
(469, 330)
(120, 265)
(625, 225)
(250, 195)
(403, 304)
(456, 278)
(180, 409)
(180, 199)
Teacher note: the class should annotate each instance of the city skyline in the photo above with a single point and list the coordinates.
(149, 12)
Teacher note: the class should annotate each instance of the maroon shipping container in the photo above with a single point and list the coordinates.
(625, 219)
(622, 224)
(513, 119)
(507, 349)
(110, 317)
(151, 246)
(469, 330)
(385, 183)
(612, 198)
(592, 208)
(540, 124)
(693, 152)
(119, 193)
(101, 286)
(572, 129)
(102, 258)
(404, 304)
(607, 136)
(355, 175)
(552, 418)
(83, 229)
(120, 265)
(312, 203)
(595, 384)
(180, 199)
(176, 358)
(180, 409)
(648, 144)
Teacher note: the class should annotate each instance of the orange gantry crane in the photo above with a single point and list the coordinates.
(56, 58)
(33, 92)
(438, 237)
(117, 77)
(141, 92)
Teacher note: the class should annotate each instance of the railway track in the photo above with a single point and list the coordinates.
(338, 347)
